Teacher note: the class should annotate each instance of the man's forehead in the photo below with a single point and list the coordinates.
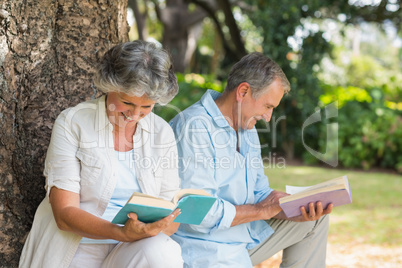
(273, 94)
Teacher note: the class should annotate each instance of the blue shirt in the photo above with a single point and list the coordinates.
(209, 159)
(126, 185)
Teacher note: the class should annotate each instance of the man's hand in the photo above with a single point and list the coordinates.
(264, 210)
(269, 207)
(135, 230)
(315, 212)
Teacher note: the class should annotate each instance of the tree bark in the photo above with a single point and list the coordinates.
(234, 30)
(180, 28)
(231, 43)
(48, 53)
(140, 18)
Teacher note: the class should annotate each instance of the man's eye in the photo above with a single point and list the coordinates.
(127, 103)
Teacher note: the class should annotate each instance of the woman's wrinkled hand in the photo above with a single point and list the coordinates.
(135, 230)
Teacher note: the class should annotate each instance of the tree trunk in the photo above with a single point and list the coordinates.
(48, 53)
(180, 30)
(140, 18)
(234, 30)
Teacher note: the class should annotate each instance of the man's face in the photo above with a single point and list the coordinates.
(253, 110)
(125, 110)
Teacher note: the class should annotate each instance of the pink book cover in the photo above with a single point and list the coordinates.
(337, 198)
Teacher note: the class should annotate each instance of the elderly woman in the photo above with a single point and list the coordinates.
(101, 151)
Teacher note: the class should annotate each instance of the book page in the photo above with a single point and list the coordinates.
(295, 189)
(184, 192)
(331, 185)
(135, 194)
(328, 185)
(148, 200)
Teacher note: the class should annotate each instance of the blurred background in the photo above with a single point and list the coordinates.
(340, 54)
(348, 52)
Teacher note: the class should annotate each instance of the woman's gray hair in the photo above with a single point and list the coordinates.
(137, 68)
(258, 71)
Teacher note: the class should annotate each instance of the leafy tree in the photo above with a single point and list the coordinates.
(292, 37)
(277, 22)
(292, 33)
(287, 31)
(182, 19)
(369, 98)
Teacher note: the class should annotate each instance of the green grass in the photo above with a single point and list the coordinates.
(375, 215)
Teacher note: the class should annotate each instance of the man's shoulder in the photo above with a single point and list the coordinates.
(195, 109)
(190, 115)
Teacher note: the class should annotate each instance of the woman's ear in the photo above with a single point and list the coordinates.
(242, 90)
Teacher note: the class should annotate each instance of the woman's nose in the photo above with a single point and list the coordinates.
(135, 113)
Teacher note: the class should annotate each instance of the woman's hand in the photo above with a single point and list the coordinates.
(135, 230)
(71, 218)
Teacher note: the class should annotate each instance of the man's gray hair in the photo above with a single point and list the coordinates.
(258, 71)
(137, 68)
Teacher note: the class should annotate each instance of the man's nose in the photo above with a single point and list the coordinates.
(267, 116)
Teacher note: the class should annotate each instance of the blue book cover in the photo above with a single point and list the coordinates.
(194, 205)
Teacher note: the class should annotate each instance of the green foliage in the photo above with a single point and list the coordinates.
(322, 67)
(367, 72)
(369, 135)
(277, 22)
(344, 94)
(191, 89)
(373, 65)
(368, 90)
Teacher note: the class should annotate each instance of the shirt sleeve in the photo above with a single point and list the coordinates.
(194, 146)
(169, 165)
(262, 189)
(62, 168)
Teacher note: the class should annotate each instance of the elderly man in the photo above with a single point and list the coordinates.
(219, 151)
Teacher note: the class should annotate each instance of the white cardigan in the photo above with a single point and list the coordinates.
(81, 159)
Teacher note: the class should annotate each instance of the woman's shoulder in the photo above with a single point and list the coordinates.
(89, 104)
(158, 122)
(81, 111)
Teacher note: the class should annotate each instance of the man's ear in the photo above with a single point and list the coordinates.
(242, 90)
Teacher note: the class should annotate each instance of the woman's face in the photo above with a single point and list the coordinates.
(125, 111)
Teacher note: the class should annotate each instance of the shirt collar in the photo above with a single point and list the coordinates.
(145, 123)
(102, 121)
(208, 101)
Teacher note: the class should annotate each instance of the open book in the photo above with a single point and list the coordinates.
(194, 205)
(335, 191)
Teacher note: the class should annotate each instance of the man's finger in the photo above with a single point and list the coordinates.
(311, 210)
(304, 213)
(319, 208)
(329, 209)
